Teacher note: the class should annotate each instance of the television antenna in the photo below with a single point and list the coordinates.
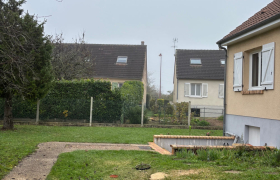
(175, 40)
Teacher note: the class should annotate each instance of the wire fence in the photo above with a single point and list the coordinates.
(69, 110)
(75, 110)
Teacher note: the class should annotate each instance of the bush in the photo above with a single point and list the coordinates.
(203, 123)
(197, 122)
(134, 115)
(169, 109)
(221, 118)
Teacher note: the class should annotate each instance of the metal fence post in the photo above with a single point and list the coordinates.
(142, 114)
(90, 118)
(189, 113)
(204, 113)
(38, 111)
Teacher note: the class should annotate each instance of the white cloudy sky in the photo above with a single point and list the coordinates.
(198, 24)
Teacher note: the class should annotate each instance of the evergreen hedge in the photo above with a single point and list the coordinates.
(70, 100)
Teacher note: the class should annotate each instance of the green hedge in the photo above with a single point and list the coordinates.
(70, 100)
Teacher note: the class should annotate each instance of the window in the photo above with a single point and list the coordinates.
(221, 91)
(196, 89)
(261, 69)
(196, 61)
(120, 85)
(122, 59)
(255, 71)
(223, 62)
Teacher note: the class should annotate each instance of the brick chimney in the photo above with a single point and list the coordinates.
(142, 43)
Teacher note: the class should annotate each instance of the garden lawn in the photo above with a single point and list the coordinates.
(101, 164)
(15, 145)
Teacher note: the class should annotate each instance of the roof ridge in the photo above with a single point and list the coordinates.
(110, 44)
(199, 49)
(265, 15)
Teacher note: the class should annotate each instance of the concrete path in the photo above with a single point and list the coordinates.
(38, 165)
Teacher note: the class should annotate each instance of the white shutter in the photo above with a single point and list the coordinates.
(187, 89)
(204, 89)
(237, 73)
(221, 91)
(268, 66)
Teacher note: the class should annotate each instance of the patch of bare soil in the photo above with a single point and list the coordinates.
(214, 122)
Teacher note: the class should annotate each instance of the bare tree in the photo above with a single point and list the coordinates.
(71, 60)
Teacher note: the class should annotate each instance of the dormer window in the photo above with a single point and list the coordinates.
(195, 61)
(122, 59)
(223, 62)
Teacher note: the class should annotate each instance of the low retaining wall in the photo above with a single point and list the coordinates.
(165, 141)
(113, 125)
(246, 147)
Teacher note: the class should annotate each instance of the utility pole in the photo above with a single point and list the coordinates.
(160, 76)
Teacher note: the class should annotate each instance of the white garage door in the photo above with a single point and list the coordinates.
(254, 136)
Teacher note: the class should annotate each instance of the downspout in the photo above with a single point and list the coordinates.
(225, 89)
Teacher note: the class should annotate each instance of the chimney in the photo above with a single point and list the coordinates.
(142, 43)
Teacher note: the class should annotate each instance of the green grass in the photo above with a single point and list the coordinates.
(102, 164)
(15, 145)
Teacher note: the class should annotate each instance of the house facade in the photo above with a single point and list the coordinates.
(120, 63)
(199, 78)
(253, 78)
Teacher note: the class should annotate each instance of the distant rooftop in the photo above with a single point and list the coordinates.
(210, 66)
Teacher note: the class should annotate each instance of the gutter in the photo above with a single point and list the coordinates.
(225, 89)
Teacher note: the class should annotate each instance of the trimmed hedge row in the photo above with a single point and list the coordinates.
(70, 100)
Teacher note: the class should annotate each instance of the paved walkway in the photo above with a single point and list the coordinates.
(38, 165)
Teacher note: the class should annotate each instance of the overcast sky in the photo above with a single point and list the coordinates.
(198, 24)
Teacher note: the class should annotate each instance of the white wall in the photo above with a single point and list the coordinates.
(213, 93)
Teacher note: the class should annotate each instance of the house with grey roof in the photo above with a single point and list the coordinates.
(119, 63)
(199, 78)
(253, 78)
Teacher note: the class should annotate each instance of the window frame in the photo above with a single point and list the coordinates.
(120, 84)
(222, 97)
(200, 84)
(195, 63)
(259, 87)
(122, 57)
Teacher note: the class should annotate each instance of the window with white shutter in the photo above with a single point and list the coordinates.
(267, 79)
(237, 73)
(204, 90)
(221, 91)
(187, 89)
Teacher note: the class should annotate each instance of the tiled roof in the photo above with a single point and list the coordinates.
(265, 15)
(105, 58)
(210, 68)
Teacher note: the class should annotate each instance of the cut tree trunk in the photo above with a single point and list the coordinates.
(8, 123)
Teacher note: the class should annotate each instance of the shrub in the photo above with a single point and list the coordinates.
(132, 95)
(181, 110)
(203, 123)
(221, 118)
(134, 115)
(197, 122)
(169, 109)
